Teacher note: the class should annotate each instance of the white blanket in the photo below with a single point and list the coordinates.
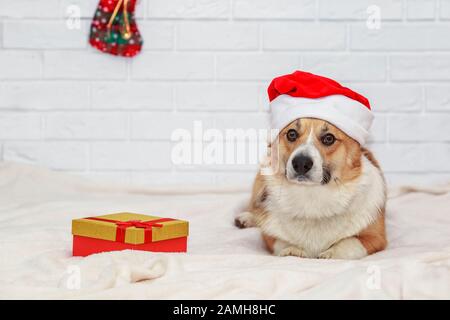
(37, 206)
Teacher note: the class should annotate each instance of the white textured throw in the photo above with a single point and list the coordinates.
(37, 206)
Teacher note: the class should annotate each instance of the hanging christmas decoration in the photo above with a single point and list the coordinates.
(114, 29)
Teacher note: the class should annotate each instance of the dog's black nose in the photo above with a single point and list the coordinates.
(302, 164)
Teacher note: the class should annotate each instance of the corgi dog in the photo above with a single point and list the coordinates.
(325, 199)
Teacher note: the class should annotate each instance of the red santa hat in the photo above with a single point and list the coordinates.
(306, 95)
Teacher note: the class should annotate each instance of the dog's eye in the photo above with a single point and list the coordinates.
(328, 139)
(292, 135)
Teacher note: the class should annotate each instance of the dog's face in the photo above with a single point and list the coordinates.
(313, 151)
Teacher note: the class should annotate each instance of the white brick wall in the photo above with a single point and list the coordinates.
(65, 106)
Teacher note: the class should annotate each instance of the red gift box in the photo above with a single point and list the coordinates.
(126, 230)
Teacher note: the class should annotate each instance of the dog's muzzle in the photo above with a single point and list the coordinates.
(305, 165)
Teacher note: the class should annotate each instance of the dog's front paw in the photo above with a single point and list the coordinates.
(328, 254)
(283, 249)
(245, 220)
(349, 248)
(292, 251)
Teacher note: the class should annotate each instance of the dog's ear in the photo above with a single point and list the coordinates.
(369, 155)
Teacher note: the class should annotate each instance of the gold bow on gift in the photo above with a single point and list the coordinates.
(126, 33)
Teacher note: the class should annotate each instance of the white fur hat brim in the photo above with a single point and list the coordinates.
(347, 114)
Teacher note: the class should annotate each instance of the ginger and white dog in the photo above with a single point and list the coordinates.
(325, 198)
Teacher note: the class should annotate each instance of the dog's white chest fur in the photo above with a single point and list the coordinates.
(315, 217)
